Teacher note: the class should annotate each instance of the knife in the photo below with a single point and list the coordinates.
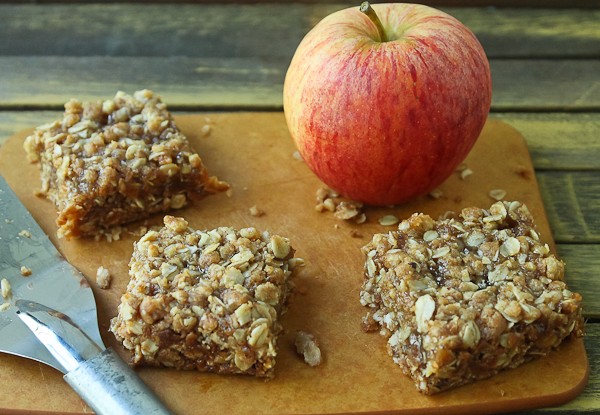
(57, 306)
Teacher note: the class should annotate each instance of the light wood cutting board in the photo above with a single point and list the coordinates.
(253, 152)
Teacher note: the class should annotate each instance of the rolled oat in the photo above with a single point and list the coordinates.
(5, 288)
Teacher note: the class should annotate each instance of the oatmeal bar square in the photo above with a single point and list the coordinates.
(113, 162)
(461, 299)
(206, 300)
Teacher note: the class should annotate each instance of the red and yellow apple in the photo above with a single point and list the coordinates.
(384, 106)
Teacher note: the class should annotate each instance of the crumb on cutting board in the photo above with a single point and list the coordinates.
(256, 211)
(103, 278)
(308, 347)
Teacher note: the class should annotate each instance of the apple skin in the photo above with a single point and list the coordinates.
(383, 123)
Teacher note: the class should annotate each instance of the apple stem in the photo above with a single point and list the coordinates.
(366, 8)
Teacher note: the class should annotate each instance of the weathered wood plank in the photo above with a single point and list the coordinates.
(234, 83)
(559, 140)
(12, 122)
(560, 4)
(201, 83)
(572, 202)
(583, 273)
(543, 85)
(209, 30)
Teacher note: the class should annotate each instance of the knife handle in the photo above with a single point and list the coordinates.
(109, 386)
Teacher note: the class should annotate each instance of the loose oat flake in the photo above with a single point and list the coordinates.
(497, 194)
(5, 288)
(388, 220)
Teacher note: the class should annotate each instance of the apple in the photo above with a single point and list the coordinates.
(384, 102)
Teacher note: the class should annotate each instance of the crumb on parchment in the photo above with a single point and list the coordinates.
(103, 278)
(308, 347)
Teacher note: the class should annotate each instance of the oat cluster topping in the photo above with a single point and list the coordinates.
(111, 162)
(206, 300)
(460, 299)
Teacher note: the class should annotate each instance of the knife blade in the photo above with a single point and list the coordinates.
(54, 302)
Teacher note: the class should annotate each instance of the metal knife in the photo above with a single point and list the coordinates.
(51, 317)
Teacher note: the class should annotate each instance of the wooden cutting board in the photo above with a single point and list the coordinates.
(253, 152)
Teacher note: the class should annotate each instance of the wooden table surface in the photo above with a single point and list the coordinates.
(206, 57)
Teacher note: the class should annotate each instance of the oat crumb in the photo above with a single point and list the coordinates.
(5, 288)
(229, 192)
(25, 271)
(255, 211)
(205, 130)
(388, 220)
(4, 307)
(308, 347)
(25, 233)
(436, 194)
(497, 194)
(103, 278)
(355, 234)
(465, 173)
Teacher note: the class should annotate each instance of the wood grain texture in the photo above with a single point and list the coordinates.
(244, 83)
(561, 4)
(572, 201)
(220, 30)
(583, 273)
(559, 141)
